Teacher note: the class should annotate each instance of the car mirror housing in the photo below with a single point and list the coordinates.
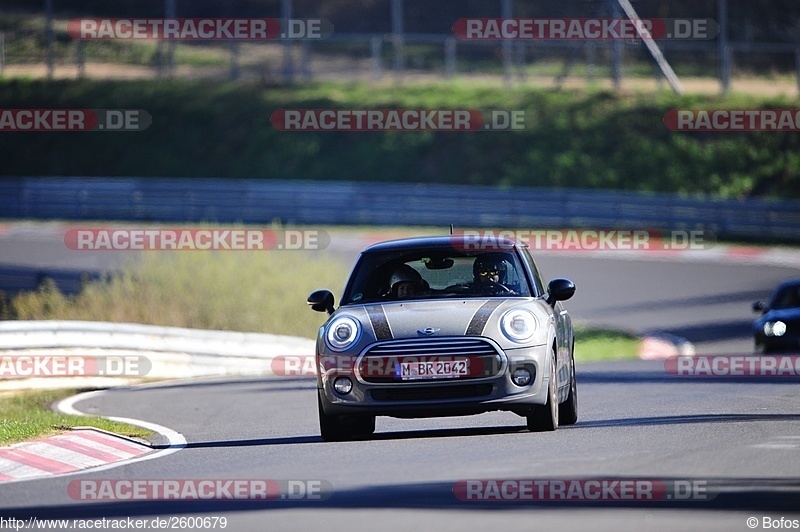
(321, 301)
(560, 290)
(759, 306)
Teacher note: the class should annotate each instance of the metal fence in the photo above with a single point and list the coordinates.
(393, 38)
(252, 201)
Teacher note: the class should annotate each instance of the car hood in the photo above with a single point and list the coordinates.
(787, 314)
(451, 317)
(442, 318)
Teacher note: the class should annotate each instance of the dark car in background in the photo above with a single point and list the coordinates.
(430, 327)
(778, 329)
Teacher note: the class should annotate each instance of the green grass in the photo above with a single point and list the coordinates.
(25, 416)
(594, 345)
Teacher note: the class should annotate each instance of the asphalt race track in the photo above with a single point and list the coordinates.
(736, 441)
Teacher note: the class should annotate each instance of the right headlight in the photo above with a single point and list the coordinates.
(774, 328)
(518, 324)
(342, 333)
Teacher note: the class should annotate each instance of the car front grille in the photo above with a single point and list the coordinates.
(379, 363)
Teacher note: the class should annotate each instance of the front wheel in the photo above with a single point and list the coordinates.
(544, 418)
(568, 410)
(342, 428)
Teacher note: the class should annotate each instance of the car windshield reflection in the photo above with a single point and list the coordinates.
(431, 274)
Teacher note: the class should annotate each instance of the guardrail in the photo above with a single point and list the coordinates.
(257, 201)
(172, 352)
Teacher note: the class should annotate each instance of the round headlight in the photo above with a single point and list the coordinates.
(774, 328)
(342, 333)
(518, 325)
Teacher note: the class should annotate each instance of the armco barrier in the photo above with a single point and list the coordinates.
(173, 352)
(349, 203)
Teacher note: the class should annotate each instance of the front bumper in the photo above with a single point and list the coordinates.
(442, 397)
(788, 343)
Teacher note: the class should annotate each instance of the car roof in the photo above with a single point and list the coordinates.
(456, 241)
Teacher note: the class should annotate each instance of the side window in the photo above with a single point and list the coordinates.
(537, 277)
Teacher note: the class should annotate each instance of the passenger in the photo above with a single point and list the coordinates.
(406, 282)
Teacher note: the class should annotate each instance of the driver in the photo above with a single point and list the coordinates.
(490, 267)
(490, 272)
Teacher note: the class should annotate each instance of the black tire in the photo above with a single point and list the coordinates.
(343, 428)
(544, 418)
(363, 425)
(568, 410)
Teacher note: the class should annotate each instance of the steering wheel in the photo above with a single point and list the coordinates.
(458, 288)
(496, 286)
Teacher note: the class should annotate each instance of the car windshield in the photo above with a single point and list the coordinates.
(788, 297)
(435, 274)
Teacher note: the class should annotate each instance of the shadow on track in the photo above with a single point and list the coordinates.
(744, 297)
(740, 494)
(685, 420)
(381, 436)
(507, 429)
(662, 377)
(709, 332)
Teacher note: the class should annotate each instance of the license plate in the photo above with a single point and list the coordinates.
(442, 369)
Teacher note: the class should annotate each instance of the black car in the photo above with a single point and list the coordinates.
(779, 328)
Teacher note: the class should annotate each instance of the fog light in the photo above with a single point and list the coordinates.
(521, 377)
(343, 385)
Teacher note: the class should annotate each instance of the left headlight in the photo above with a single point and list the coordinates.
(518, 324)
(774, 328)
(342, 333)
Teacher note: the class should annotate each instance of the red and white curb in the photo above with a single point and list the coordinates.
(65, 453)
(661, 347)
(82, 448)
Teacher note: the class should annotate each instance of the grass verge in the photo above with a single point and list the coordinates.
(25, 416)
(595, 345)
(260, 291)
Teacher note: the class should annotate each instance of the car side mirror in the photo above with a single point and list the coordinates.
(560, 290)
(759, 306)
(321, 301)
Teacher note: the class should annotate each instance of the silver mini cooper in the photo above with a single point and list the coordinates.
(445, 326)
